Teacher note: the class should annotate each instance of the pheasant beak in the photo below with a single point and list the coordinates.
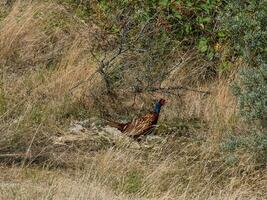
(162, 102)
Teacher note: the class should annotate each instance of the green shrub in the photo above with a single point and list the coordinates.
(255, 143)
(251, 93)
(245, 24)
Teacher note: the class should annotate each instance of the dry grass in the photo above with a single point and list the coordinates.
(92, 183)
(44, 53)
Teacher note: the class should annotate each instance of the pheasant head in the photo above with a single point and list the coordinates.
(158, 105)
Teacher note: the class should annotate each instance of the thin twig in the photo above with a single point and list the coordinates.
(178, 88)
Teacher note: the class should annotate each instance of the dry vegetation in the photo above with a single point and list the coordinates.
(53, 145)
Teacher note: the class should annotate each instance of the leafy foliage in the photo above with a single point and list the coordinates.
(245, 22)
(251, 92)
(192, 22)
(255, 143)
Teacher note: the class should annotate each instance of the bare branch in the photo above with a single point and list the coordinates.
(168, 90)
(178, 88)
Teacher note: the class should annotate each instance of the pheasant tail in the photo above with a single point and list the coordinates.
(119, 126)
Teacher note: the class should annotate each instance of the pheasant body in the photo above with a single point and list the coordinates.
(140, 126)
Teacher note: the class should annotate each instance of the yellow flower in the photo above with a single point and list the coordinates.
(217, 46)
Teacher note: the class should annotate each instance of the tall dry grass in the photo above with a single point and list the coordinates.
(97, 182)
(44, 53)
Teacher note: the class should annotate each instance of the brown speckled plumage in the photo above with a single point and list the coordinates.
(140, 126)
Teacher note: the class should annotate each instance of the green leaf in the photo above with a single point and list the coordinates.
(104, 5)
(203, 45)
(210, 55)
(164, 2)
(221, 34)
(177, 15)
(204, 19)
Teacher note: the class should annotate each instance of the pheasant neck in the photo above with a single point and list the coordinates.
(157, 108)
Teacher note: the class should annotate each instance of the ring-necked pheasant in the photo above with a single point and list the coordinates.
(140, 126)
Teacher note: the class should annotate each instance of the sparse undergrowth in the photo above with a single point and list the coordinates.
(53, 144)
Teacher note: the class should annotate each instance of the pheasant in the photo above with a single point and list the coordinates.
(140, 126)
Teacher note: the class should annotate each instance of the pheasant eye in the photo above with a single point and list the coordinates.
(162, 101)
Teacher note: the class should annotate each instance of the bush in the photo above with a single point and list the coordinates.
(254, 143)
(245, 25)
(251, 93)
